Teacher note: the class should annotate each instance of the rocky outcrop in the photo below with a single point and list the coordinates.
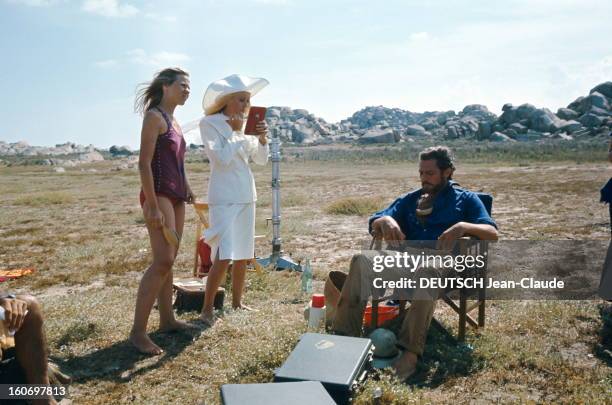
(593, 111)
(90, 157)
(379, 135)
(586, 116)
(120, 151)
(24, 149)
(417, 130)
(298, 126)
(67, 154)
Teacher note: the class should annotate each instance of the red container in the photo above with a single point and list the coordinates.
(318, 300)
(385, 313)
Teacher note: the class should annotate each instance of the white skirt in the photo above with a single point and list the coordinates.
(231, 234)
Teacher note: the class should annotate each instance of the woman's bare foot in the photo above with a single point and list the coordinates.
(175, 326)
(144, 344)
(245, 308)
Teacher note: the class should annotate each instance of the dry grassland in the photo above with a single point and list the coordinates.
(83, 232)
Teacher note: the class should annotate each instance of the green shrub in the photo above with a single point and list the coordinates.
(42, 199)
(355, 206)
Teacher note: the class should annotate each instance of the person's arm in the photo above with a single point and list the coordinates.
(261, 149)
(389, 223)
(477, 223)
(218, 151)
(480, 231)
(151, 127)
(190, 196)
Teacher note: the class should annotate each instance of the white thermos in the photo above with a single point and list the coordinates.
(316, 312)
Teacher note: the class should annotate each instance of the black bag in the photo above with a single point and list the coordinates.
(296, 393)
(340, 363)
(190, 295)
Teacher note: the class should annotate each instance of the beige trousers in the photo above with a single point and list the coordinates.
(359, 286)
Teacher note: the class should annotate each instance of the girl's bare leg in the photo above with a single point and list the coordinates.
(154, 278)
(167, 321)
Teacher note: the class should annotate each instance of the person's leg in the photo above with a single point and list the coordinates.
(151, 283)
(31, 347)
(167, 320)
(413, 333)
(238, 278)
(412, 336)
(213, 281)
(352, 302)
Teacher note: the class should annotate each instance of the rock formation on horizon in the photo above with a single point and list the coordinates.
(586, 116)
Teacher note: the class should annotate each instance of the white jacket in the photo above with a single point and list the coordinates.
(231, 180)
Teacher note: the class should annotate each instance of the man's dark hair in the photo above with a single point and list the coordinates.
(442, 155)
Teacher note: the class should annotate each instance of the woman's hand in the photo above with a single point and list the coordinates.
(153, 216)
(236, 121)
(190, 196)
(262, 130)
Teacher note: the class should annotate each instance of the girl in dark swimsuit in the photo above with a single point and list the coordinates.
(163, 195)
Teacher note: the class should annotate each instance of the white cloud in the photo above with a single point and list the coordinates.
(161, 18)
(107, 64)
(109, 8)
(273, 2)
(419, 36)
(163, 58)
(141, 57)
(546, 60)
(33, 3)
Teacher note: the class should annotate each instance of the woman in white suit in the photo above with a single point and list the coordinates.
(231, 187)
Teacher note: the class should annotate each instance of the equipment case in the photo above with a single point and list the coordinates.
(340, 363)
(295, 393)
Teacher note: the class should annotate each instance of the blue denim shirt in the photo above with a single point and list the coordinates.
(452, 205)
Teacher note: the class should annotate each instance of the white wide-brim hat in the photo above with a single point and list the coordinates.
(215, 95)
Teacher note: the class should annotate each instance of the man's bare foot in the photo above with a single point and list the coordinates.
(244, 307)
(144, 344)
(175, 326)
(405, 366)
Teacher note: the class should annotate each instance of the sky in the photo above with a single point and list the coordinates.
(70, 68)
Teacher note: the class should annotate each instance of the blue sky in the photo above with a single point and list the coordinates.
(69, 68)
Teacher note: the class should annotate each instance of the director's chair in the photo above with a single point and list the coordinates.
(467, 246)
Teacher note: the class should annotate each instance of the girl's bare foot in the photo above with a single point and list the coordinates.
(244, 307)
(209, 319)
(144, 344)
(175, 326)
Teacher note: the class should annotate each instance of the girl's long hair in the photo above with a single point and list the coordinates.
(149, 95)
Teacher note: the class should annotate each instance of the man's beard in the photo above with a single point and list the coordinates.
(435, 189)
